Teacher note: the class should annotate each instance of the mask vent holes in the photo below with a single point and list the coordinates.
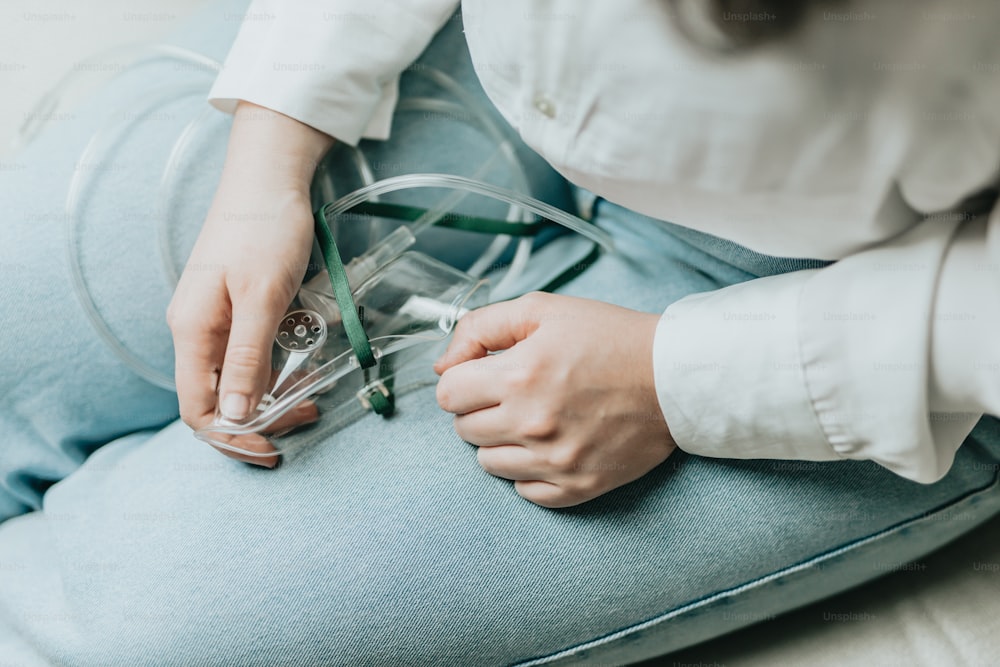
(301, 331)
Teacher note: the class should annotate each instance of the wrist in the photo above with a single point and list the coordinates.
(273, 150)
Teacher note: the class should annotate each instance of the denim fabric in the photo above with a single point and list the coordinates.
(127, 541)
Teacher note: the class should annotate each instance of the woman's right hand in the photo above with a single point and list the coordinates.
(244, 270)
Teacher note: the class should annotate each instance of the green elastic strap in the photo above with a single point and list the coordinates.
(573, 271)
(471, 223)
(468, 223)
(381, 404)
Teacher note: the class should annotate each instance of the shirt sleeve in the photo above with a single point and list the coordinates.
(331, 64)
(889, 355)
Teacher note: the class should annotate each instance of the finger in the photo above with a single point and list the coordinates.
(199, 346)
(510, 462)
(486, 428)
(247, 364)
(470, 386)
(254, 447)
(248, 447)
(498, 326)
(545, 494)
(304, 413)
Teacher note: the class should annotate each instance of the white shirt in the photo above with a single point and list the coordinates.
(837, 144)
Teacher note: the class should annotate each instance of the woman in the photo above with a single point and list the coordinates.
(803, 153)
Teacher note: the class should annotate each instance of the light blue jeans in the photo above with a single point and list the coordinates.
(126, 541)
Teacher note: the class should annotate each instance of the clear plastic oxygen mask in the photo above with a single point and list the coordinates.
(401, 304)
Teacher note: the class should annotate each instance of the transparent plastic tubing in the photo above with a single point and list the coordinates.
(505, 149)
(92, 154)
(168, 187)
(524, 247)
(540, 208)
(135, 53)
(96, 147)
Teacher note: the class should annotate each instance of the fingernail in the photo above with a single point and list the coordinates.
(235, 406)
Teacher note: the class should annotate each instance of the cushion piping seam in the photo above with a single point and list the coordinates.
(760, 581)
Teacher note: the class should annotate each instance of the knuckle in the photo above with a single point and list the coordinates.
(178, 320)
(171, 314)
(244, 359)
(539, 426)
(533, 300)
(460, 428)
(187, 418)
(522, 378)
(443, 395)
(465, 321)
(195, 421)
(564, 459)
(268, 293)
(465, 325)
(483, 458)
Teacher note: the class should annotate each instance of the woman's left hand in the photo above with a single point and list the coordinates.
(569, 409)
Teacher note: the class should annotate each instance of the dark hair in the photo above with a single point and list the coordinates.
(739, 24)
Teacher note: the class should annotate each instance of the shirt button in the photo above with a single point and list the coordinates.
(545, 106)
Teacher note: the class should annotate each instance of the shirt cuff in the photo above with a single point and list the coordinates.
(865, 325)
(729, 375)
(333, 65)
(820, 364)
